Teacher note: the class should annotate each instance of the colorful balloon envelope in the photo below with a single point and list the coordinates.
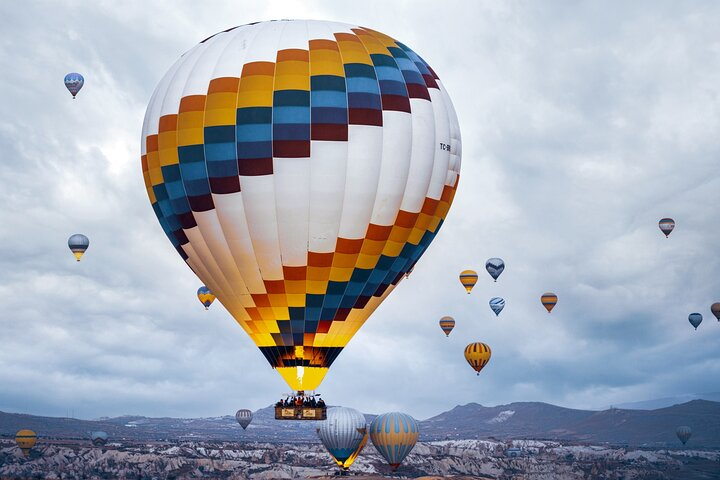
(394, 435)
(666, 226)
(78, 243)
(344, 434)
(468, 278)
(25, 440)
(715, 309)
(695, 319)
(447, 324)
(477, 355)
(497, 304)
(99, 438)
(74, 82)
(495, 267)
(300, 168)
(683, 433)
(205, 296)
(244, 417)
(549, 300)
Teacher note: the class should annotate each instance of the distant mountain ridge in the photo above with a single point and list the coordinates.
(666, 401)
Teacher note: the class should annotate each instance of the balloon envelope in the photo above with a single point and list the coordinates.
(25, 440)
(394, 435)
(683, 433)
(447, 324)
(205, 296)
(99, 438)
(549, 300)
(78, 243)
(497, 304)
(695, 319)
(477, 355)
(344, 434)
(74, 82)
(495, 267)
(300, 168)
(468, 278)
(244, 417)
(715, 309)
(666, 226)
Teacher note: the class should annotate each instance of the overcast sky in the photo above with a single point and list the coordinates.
(583, 124)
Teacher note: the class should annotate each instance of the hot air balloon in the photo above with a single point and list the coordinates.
(548, 300)
(715, 309)
(244, 417)
(468, 278)
(300, 168)
(666, 226)
(447, 324)
(344, 434)
(78, 243)
(495, 267)
(25, 440)
(74, 82)
(394, 435)
(695, 319)
(477, 355)
(205, 296)
(99, 438)
(683, 433)
(497, 304)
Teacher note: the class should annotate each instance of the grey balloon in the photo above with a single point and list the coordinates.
(695, 319)
(495, 267)
(683, 433)
(244, 417)
(99, 438)
(343, 433)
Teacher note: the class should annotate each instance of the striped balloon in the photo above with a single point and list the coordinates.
(447, 324)
(205, 296)
(683, 433)
(695, 319)
(78, 243)
(549, 300)
(25, 440)
(99, 438)
(344, 434)
(244, 417)
(666, 226)
(477, 355)
(495, 267)
(394, 435)
(497, 304)
(74, 82)
(468, 278)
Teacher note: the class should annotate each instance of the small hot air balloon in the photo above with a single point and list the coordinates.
(99, 438)
(683, 433)
(394, 435)
(495, 267)
(74, 82)
(695, 319)
(477, 355)
(344, 434)
(244, 417)
(78, 243)
(715, 309)
(447, 324)
(468, 278)
(497, 304)
(25, 440)
(549, 300)
(666, 226)
(205, 296)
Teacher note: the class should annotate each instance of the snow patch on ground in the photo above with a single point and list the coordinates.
(502, 416)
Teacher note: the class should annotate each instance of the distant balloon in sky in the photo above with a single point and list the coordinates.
(74, 82)
(497, 304)
(447, 324)
(394, 435)
(205, 296)
(549, 300)
(468, 278)
(683, 433)
(99, 438)
(715, 309)
(695, 319)
(666, 226)
(244, 417)
(78, 243)
(344, 433)
(495, 267)
(300, 168)
(25, 440)
(477, 355)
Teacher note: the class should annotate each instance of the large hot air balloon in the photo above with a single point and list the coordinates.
(495, 267)
(715, 309)
(683, 433)
(205, 296)
(74, 82)
(99, 438)
(78, 243)
(344, 434)
(244, 417)
(468, 278)
(695, 319)
(394, 434)
(447, 324)
(25, 440)
(497, 304)
(549, 300)
(477, 355)
(300, 168)
(666, 226)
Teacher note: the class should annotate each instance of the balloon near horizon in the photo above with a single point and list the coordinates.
(301, 169)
